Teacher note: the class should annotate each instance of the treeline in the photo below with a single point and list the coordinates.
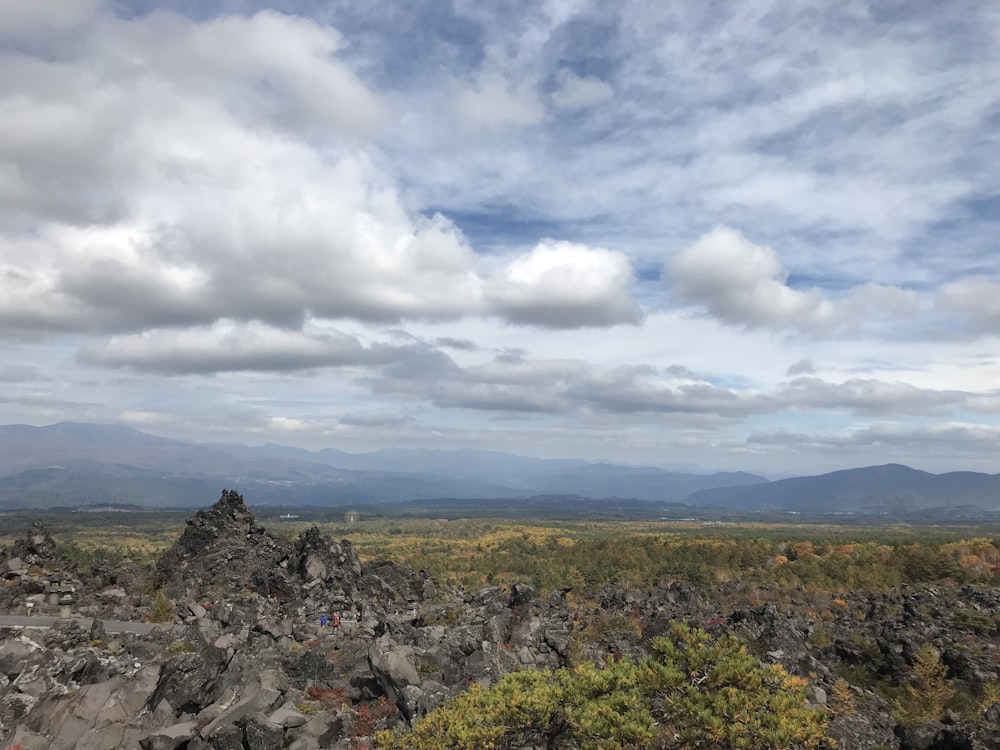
(590, 556)
(647, 561)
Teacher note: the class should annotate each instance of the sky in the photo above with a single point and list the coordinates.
(746, 235)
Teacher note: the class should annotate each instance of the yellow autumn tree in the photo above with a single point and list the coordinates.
(926, 696)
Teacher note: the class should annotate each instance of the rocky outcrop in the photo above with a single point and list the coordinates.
(222, 552)
(225, 556)
(246, 664)
(37, 548)
(34, 579)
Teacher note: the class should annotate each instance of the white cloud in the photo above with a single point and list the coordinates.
(867, 395)
(268, 68)
(745, 284)
(643, 390)
(568, 389)
(296, 237)
(21, 19)
(254, 195)
(196, 190)
(227, 346)
(576, 92)
(167, 184)
(975, 299)
(802, 367)
(286, 424)
(565, 285)
(876, 299)
(491, 101)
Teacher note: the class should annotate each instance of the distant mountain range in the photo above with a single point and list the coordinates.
(892, 489)
(72, 464)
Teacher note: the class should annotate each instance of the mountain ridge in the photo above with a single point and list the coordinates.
(893, 487)
(75, 463)
(71, 464)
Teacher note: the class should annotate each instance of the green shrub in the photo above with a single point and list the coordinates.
(692, 692)
(974, 620)
(162, 609)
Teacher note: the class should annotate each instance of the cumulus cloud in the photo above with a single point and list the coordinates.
(802, 367)
(528, 384)
(575, 92)
(286, 71)
(297, 237)
(27, 19)
(305, 231)
(983, 403)
(565, 285)
(223, 193)
(493, 102)
(499, 386)
(744, 284)
(867, 395)
(975, 299)
(247, 197)
(155, 215)
(879, 299)
(227, 346)
(83, 123)
(565, 387)
(641, 390)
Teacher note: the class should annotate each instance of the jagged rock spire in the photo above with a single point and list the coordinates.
(38, 547)
(223, 551)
